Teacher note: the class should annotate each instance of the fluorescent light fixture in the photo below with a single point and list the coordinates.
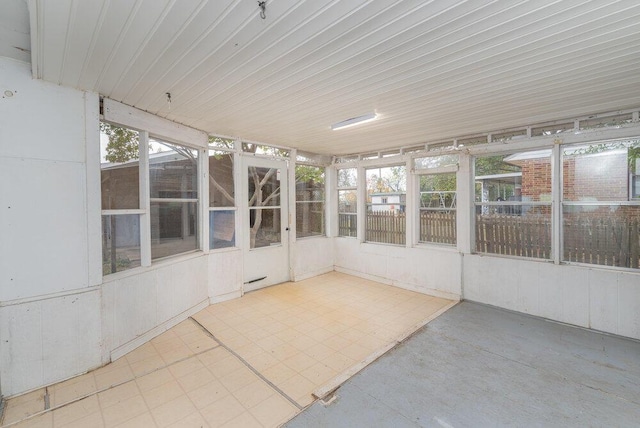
(354, 121)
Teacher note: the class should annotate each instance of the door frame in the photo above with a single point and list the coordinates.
(265, 256)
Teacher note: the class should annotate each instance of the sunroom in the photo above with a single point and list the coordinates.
(159, 158)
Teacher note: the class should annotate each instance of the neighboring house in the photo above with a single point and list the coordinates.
(394, 202)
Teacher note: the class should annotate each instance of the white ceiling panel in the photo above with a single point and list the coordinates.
(432, 70)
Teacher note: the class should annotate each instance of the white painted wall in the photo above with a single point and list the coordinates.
(225, 274)
(50, 325)
(429, 270)
(601, 299)
(311, 257)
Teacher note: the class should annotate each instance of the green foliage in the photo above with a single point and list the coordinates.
(310, 174)
(387, 179)
(490, 165)
(123, 143)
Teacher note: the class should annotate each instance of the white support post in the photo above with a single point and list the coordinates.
(331, 201)
(556, 204)
(203, 205)
(412, 203)
(362, 203)
(94, 203)
(145, 203)
(466, 208)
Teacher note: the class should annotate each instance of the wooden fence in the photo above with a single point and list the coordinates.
(386, 227)
(600, 240)
(438, 227)
(347, 225)
(513, 235)
(606, 241)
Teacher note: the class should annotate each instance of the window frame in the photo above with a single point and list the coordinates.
(232, 151)
(408, 221)
(418, 174)
(325, 171)
(348, 189)
(145, 200)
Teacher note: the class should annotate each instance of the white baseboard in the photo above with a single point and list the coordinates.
(307, 275)
(144, 338)
(403, 285)
(224, 297)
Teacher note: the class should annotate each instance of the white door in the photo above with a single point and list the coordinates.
(266, 223)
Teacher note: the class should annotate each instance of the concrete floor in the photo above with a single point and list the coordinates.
(479, 366)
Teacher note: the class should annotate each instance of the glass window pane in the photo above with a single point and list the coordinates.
(221, 190)
(119, 167)
(347, 209)
(261, 149)
(386, 203)
(600, 171)
(264, 186)
(602, 235)
(309, 201)
(524, 235)
(120, 243)
(220, 142)
(265, 227)
(173, 170)
(436, 161)
(174, 228)
(347, 177)
(505, 223)
(438, 208)
(222, 228)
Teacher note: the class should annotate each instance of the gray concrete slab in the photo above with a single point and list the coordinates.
(480, 366)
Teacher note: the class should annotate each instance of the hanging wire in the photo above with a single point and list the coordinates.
(263, 6)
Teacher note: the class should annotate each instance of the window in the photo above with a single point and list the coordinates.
(173, 185)
(513, 204)
(437, 217)
(309, 201)
(119, 177)
(347, 202)
(222, 208)
(600, 206)
(170, 222)
(386, 203)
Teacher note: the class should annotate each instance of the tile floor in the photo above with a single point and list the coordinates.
(254, 361)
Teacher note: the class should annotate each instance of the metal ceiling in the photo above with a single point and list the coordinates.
(430, 69)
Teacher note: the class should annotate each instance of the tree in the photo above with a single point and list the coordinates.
(123, 143)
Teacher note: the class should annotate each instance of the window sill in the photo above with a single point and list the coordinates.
(156, 264)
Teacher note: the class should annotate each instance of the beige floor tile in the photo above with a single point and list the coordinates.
(196, 379)
(238, 379)
(124, 411)
(222, 411)
(300, 362)
(93, 420)
(245, 420)
(339, 362)
(72, 389)
(43, 421)
(337, 342)
(141, 353)
(279, 373)
(147, 365)
(262, 361)
(194, 420)
(111, 377)
(154, 379)
(319, 374)
(144, 420)
(76, 411)
(254, 393)
(119, 394)
(274, 411)
(185, 367)
(226, 366)
(207, 394)
(25, 405)
(297, 386)
(162, 394)
(173, 411)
